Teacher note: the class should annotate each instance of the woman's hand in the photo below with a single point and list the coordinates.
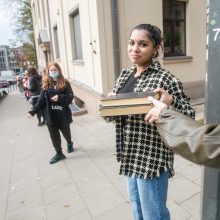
(165, 97)
(54, 98)
(111, 94)
(154, 114)
(165, 100)
(29, 115)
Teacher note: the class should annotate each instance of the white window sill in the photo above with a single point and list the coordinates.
(78, 62)
(177, 59)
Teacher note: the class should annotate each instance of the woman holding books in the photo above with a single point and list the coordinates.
(144, 159)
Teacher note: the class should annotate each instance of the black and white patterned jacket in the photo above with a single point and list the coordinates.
(139, 148)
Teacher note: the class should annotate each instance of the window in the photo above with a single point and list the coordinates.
(76, 35)
(56, 42)
(43, 12)
(174, 28)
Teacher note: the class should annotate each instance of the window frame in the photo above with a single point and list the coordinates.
(76, 57)
(56, 41)
(172, 21)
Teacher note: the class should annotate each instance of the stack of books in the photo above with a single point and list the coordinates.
(127, 104)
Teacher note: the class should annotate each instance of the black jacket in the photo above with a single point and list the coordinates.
(35, 83)
(55, 112)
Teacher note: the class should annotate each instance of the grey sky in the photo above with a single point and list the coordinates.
(6, 30)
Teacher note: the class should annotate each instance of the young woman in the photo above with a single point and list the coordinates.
(55, 98)
(144, 159)
(34, 86)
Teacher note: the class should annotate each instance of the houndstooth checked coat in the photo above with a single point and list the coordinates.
(139, 148)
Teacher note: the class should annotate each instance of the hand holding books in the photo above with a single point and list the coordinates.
(164, 96)
(154, 114)
(111, 94)
(164, 101)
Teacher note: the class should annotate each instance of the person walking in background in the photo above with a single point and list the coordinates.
(20, 85)
(55, 97)
(190, 139)
(144, 159)
(34, 86)
(26, 85)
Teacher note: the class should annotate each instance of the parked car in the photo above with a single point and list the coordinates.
(9, 76)
(3, 88)
(3, 83)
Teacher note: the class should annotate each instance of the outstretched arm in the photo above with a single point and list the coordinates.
(194, 141)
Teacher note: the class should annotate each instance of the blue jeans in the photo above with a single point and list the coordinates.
(148, 197)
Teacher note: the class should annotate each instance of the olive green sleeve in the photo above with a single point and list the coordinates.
(194, 141)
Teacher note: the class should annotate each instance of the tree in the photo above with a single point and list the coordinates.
(20, 12)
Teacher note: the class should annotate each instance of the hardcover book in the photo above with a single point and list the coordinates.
(131, 98)
(126, 104)
(125, 110)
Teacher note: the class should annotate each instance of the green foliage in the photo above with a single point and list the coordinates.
(24, 18)
(20, 11)
(30, 53)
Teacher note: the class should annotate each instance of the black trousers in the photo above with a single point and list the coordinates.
(39, 113)
(54, 131)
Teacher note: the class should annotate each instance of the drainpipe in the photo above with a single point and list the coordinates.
(115, 35)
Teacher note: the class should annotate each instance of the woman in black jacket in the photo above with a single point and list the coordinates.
(55, 97)
(34, 86)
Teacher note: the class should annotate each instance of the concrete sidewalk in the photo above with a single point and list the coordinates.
(85, 186)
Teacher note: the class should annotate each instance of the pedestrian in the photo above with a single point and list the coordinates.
(55, 97)
(34, 86)
(26, 86)
(144, 159)
(190, 139)
(20, 85)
